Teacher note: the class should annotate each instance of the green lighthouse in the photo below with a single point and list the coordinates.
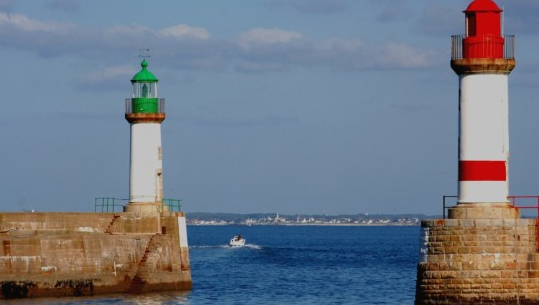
(145, 112)
(144, 91)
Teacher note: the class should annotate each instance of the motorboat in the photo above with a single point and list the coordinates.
(237, 241)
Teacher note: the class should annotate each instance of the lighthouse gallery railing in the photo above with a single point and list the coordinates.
(129, 106)
(488, 44)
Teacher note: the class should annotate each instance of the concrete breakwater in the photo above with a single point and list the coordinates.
(66, 254)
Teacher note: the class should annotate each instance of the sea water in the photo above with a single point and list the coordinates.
(289, 265)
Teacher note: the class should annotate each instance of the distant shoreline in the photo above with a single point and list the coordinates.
(275, 219)
(311, 225)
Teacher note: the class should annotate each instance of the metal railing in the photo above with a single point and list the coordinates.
(488, 43)
(445, 207)
(532, 207)
(108, 204)
(129, 106)
(513, 200)
(174, 205)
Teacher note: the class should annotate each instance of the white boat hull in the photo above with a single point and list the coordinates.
(237, 242)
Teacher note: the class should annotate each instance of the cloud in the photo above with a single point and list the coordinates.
(19, 22)
(108, 78)
(265, 37)
(184, 31)
(132, 31)
(65, 5)
(52, 39)
(403, 56)
(186, 47)
(259, 45)
(280, 49)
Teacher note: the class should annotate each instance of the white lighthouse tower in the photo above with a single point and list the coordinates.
(145, 112)
(483, 59)
(484, 253)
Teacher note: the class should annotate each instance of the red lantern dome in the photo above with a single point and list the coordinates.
(483, 30)
(482, 5)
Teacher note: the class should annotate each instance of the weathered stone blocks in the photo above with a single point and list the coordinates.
(478, 261)
(54, 254)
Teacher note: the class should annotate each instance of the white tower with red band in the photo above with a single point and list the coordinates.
(483, 59)
(483, 254)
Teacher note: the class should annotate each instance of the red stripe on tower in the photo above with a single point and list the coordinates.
(482, 171)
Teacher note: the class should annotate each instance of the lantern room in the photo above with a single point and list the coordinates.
(144, 91)
(483, 30)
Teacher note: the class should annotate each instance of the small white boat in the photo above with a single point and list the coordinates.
(237, 241)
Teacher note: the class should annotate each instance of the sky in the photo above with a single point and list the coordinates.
(281, 106)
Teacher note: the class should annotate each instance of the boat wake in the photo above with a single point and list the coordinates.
(253, 246)
(248, 246)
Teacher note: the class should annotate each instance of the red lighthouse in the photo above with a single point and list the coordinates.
(483, 59)
(484, 253)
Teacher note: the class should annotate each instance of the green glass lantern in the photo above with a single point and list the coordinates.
(144, 91)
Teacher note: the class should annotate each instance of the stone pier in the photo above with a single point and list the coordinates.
(71, 254)
(479, 260)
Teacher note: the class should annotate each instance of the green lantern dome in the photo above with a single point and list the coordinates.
(144, 91)
(144, 75)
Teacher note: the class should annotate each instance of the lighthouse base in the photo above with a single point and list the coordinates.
(478, 261)
(145, 208)
(500, 210)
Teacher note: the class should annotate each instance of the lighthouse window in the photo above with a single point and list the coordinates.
(144, 90)
(471, 28)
